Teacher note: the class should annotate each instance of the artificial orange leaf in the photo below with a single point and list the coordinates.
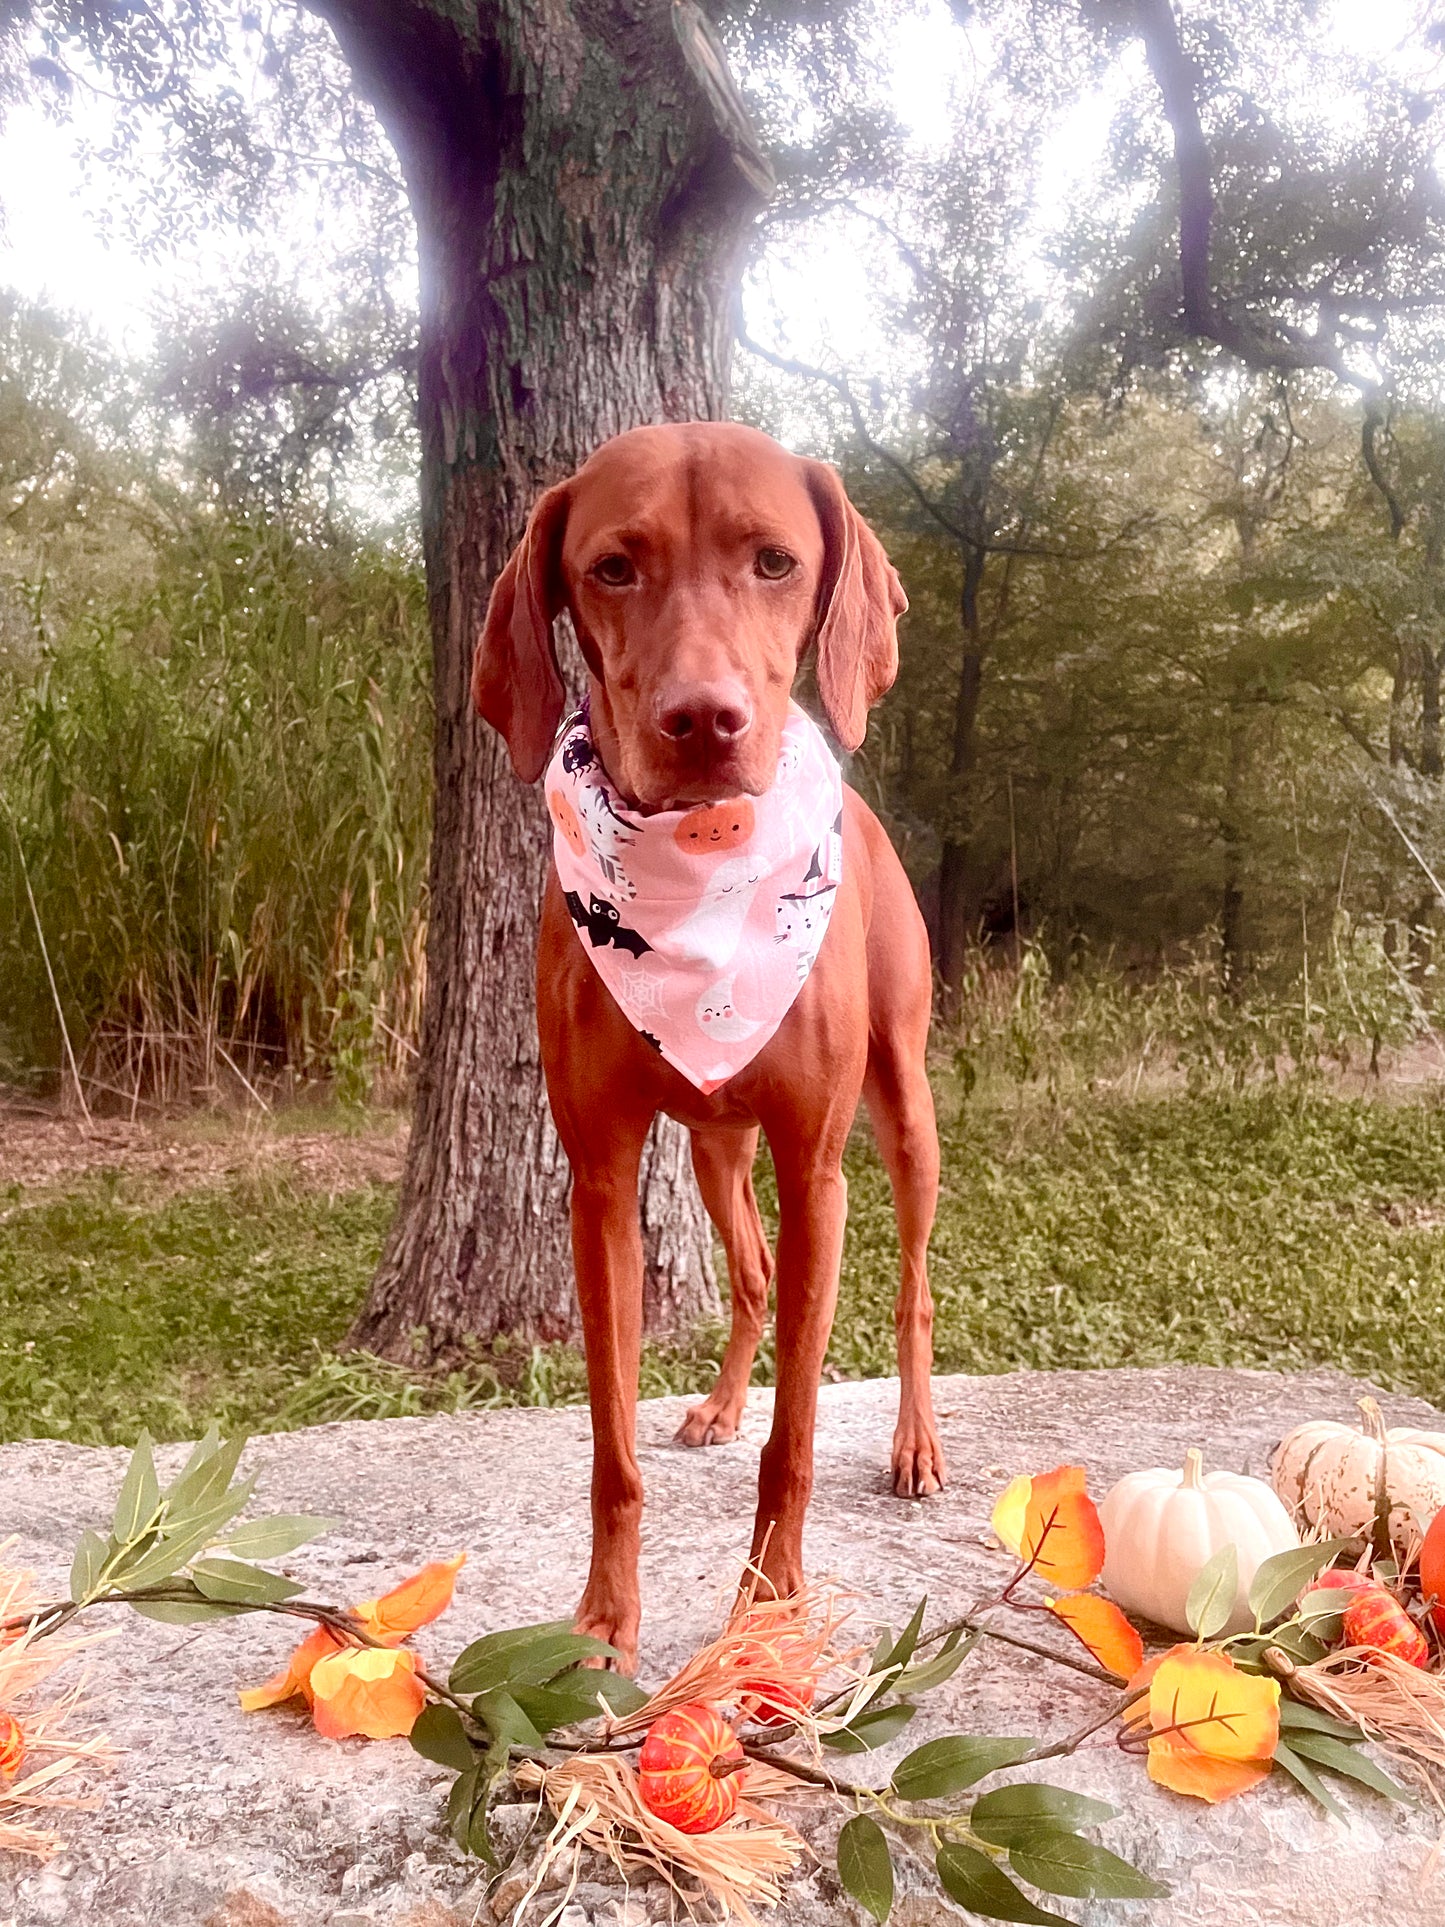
(1215, 1728)
(1101, 1627)
(415, 1602)
(1063, 1541)
(1140, 1682)
(368, 1690)
(295, 1682)
(1008, 1513)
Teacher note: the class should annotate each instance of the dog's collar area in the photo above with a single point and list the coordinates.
(703, 922)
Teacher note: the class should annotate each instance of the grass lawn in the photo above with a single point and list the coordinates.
(1275, 1227)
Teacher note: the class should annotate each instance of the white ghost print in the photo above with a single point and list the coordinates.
(717, 1017)
(714, 930)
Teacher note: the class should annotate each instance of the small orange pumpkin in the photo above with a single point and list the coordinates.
(1375, 1619)
(1432, 1570)
(12, 1746)
(689, 1768)
(779, 1702)
(715, 826)
(565, 817)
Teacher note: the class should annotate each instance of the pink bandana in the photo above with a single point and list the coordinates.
(702, 923)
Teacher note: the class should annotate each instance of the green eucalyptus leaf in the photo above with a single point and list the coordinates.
(902, 1649)
(273, 1538)
(865, 1866)
(505, 1720)
(924, 1674)
(1294, 1713)
(874, 1727)
(572, 1698)
(87, 1565)
(940, 1767)
(1300, 1770)
(1066, 1863)
(202, 1481)
(972, 1879)
(1211, 1598)
(1322, 1749)
(169, 1553)
(241, 1584)
(1012, 1815)
(1280, 1579)
(139, 1498)
(439, 1735)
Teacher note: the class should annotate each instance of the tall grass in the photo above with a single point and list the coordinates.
(219, 801)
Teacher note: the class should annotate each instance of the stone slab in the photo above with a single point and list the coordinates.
(219, 1819)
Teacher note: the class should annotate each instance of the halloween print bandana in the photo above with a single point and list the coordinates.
(702, 923)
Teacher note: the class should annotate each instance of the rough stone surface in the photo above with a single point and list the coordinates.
(219, 1819)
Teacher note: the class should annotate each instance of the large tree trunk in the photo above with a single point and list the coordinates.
(579, 221)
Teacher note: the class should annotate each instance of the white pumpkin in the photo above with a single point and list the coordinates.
(1162, 1527)
(1363, 1482)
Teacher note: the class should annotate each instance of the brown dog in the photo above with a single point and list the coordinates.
(698, 563)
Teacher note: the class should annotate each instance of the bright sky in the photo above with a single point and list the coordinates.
(816, 299)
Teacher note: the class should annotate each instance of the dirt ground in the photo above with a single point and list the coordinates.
(41, 1146)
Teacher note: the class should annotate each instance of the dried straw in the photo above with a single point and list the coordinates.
(598, 1804)
(54, 1747)
(789, 1642)
(1401, 1705)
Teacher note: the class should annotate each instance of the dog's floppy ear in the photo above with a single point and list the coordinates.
(859, 603)
(516, 683)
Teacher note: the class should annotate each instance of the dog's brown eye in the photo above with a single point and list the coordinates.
(774, 564)
(615, 571)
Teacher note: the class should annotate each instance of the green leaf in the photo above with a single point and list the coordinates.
(1294, 1713)
(1012, 1815)
(1323, 1750)
(941, 1767)
(438, 1734)
(572, 1698)
(902, 1649)
(505, 1720)
(925, 1674)
(184, 1612)
(459, 1804)
(242, 1585)
(874, 1727)
(1321, 1614)
(1279, 1581)
(1301, 1771)
(138, 1501)
(85, 1568)
(202, 1480)
(972, 1879)
(865, 1866)
(525, 1656)
(1212, 1596)
(1066, 1863)
(171, 1552)
(272, 1538)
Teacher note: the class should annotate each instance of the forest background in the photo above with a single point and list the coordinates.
(1164, 759)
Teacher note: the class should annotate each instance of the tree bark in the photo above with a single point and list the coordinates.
(579, 224)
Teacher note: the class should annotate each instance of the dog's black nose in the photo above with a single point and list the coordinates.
(706, 716)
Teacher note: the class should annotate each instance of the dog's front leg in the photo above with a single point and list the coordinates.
(812, 1208)
(607, 1252)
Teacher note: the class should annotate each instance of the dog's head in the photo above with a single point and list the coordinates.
(698, 563)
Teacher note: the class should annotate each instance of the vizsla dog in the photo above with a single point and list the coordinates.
(699, 563)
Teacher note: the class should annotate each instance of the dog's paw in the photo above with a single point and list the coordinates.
(711, 1423)
(617, 1623)
(918, 1465)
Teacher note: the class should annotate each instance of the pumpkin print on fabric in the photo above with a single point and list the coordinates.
(716, 826)
(690, 1768)
(565, 818)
